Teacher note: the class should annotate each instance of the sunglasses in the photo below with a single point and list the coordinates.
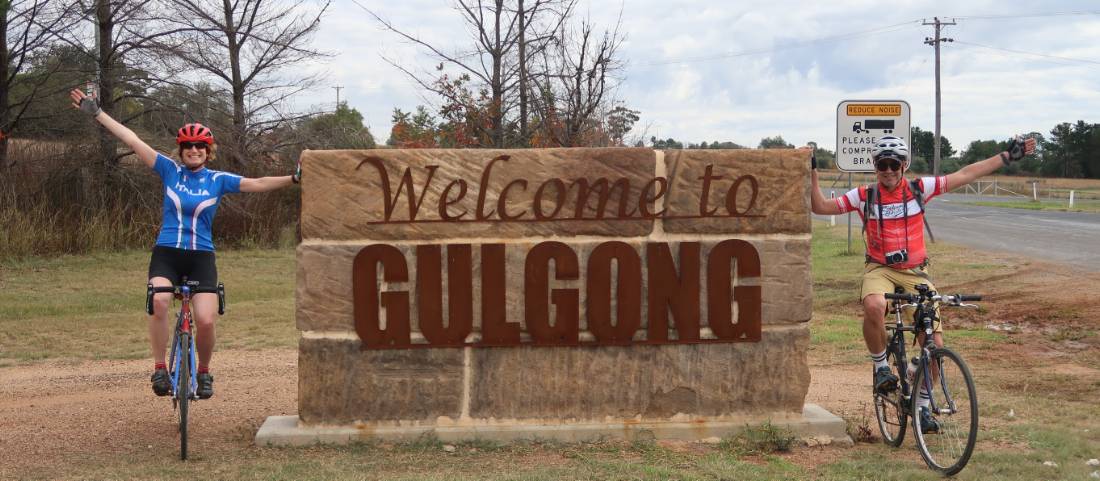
(193, 145)
(892, 164)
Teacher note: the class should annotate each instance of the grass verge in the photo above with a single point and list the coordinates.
(91, 306)
(1056, 205)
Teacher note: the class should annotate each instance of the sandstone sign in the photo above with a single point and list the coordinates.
(551, 292)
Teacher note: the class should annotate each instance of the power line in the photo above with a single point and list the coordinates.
(1056, 57)
(830, 38)
(1027, 15)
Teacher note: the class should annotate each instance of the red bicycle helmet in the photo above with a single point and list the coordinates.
(195, 133)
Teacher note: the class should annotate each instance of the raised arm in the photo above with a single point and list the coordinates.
(1017, 149)
(88, 105)
(818, 203)
(264, 184)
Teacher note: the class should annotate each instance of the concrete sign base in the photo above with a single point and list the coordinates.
(814, 423)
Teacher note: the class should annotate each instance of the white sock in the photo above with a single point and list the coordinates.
(925, 399)
(879, 359)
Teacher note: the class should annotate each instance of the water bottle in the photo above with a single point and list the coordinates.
(911, 371)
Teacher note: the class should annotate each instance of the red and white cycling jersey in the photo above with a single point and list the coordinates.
(902, 225)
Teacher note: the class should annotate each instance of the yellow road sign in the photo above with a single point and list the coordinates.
(860, 110)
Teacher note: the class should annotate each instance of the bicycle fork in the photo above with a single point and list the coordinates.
(177, 351)
(926, 381)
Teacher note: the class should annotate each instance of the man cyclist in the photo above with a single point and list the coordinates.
(185, 245)
(893, 220)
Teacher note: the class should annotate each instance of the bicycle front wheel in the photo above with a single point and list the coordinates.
(953, 402)
(890, 408)
(183, 390)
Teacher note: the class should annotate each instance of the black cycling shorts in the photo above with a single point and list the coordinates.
(175, 264)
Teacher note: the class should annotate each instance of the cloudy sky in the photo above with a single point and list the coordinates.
(743, 70)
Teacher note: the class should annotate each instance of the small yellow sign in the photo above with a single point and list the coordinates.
(876, 110)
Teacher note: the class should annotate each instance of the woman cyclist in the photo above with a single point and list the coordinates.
(185, 245)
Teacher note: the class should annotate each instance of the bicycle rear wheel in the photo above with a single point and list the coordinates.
(183, 390)
(954, 404)
(890, 408)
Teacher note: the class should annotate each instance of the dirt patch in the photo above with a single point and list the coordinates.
(1075, 370)
(55, 411)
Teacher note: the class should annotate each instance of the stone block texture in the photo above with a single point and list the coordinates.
(344, 197)
(581, 198)
(770, 187)
(340, 384)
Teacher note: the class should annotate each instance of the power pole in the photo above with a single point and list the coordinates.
(935, 42)
(338, 87)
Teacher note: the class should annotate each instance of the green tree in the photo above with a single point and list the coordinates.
(411, 131)
(826, 159)
(669, 143)
(716, 145)
(980, 150)
(341, 129)
(776, 142)
(1072, 151)
(922, 149)
(620, 120)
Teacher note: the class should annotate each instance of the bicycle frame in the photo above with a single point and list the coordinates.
(923, 321)
(183, 326)
(929, 368)
(183, 344)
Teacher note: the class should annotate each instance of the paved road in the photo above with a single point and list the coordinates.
(1067, 237)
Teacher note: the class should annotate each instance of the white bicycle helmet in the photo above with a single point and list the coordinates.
(891, 146)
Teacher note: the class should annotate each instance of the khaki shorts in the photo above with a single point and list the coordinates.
(880, 279)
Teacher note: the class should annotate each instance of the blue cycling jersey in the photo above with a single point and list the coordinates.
(190, 201)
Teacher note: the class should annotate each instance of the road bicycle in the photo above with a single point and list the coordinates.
(182, 363)
(941, 372)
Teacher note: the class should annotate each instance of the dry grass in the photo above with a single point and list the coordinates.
(62, 204)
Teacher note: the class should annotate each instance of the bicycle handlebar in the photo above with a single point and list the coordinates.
(195, 289)
(950, 300)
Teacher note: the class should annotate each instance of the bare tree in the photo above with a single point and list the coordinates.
(123, 32)
(574, 89)
(28, 27)
(505, 35)
(244, 45)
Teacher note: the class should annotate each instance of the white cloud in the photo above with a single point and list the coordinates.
(786, 91)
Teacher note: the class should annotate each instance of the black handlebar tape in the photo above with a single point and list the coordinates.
(967, 297)
(899, 297)
(221, 299)
(149, 299)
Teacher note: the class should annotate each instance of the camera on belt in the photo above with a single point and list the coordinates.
(897, 257)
